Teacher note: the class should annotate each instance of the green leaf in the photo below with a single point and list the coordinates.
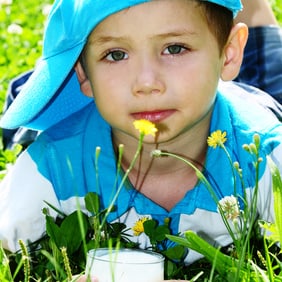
(160, 233)
(149, 227)
(53, 231)
(223, 263)
(71, 232)
(92, 202)
(170, 269)
(68, 234)
(5, 272)
(116, 228)
(277, 194)
(175, 253)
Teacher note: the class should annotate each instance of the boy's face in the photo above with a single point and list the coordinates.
(155, 61)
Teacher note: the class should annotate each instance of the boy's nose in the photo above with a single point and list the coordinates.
(148, 79)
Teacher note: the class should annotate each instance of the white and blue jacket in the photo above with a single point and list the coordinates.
(59, 168)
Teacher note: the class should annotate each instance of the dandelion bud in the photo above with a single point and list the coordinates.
(237, 168)
(120, 149)
(256, 139)
(246, 147)
(156, 153)
(253, 149)
(236, 165)
(260, 160)
(97, 152)
(167, 221)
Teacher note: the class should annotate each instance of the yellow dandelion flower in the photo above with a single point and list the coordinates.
(217, 138)
(138, 227)
(145, 127)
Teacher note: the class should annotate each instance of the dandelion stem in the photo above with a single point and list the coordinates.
(202, 178)
(142, 134)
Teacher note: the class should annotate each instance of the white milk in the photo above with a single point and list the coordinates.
(125, 265)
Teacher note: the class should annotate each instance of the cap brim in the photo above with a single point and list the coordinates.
(37, 106)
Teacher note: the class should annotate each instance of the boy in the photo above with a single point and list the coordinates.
(160, 61)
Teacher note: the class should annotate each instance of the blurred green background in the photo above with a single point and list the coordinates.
(21, 30)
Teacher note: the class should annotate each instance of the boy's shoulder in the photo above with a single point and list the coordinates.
(242, 111)
(250, 104)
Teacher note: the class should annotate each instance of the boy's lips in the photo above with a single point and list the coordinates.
(153, 116)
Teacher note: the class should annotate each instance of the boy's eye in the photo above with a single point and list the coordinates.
(116, 55)
(174, 49)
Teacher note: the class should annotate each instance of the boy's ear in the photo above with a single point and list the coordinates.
(234, 51)
(84, 82)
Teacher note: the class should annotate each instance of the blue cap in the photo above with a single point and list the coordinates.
(234, 5)
(52, 92)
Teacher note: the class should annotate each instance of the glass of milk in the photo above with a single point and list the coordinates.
(125, 265)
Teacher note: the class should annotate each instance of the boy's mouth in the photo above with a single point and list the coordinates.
(155, 116)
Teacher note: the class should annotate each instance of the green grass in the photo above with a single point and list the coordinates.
(277, 8)
(19, 52)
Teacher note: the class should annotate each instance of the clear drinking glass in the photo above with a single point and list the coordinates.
(125, 265)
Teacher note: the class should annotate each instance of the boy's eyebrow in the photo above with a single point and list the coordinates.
(177, 33)
(99, 40)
